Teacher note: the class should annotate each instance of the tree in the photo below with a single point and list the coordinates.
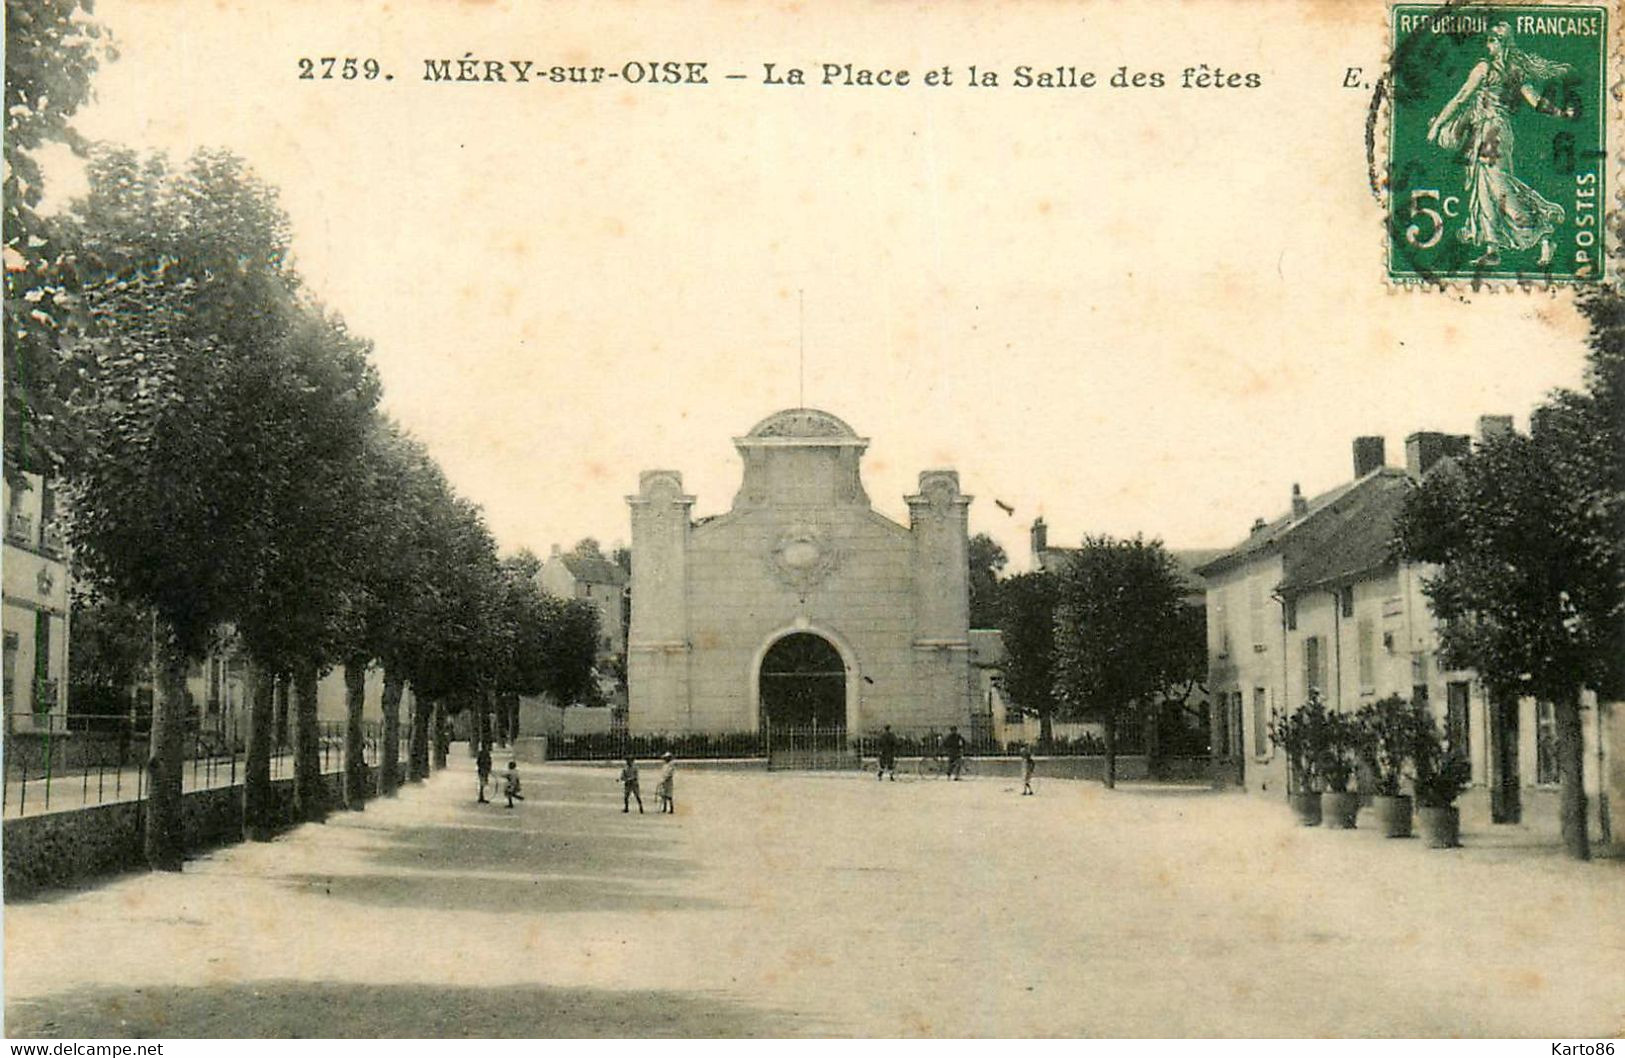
(385, 596)
(569, 650)
(987, 560)
(53, 49)
(112, 651)
(1026, 618)
(209, 403)
(1119, 616)
(1527, 532)
(587, 547)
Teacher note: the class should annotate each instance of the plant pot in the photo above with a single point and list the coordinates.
(1306, 807)
(1393, 815)
(1339, 809)
(1441, 827)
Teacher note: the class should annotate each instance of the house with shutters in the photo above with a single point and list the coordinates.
(1316, 600)
(36, 607)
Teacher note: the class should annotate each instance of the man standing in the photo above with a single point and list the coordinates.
(954, 746)
(888, 755)
(482, 762)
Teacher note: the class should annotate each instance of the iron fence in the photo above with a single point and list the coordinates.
(60, 762)
(618, 745)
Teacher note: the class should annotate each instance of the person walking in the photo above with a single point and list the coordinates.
(888, 755)
(510, 784)
(954, 746)
(1028, 766)
(629, 786)
(668, 778)
(482, 763)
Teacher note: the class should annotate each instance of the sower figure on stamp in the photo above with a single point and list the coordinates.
(888, 755)
(1502, 211)
(629, 786)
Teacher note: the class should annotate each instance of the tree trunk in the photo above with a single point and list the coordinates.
(1571, 773)
(1046, 729)
(280, 734)
(418, 766)
(441, 739)
(259, 808)
(508, 717)
(164, 837)
(1110, 774)
(355, 763)
(390, 769)
(309, 795)
(482, 705)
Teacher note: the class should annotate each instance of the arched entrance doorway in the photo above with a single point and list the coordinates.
(803, 683)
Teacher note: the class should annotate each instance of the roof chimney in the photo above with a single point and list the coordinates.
(1494, 428)
(1040, 537)
(1300, 506)
(1258, 525)
(1426, 447)
(1368, 455)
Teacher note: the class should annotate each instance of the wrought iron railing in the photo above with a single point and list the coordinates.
(59, 762)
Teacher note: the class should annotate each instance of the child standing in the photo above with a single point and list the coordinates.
(510, 784)
(629, 786)
(668, 776)
(1028, 766)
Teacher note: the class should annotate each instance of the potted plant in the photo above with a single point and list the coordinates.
(1393, 727)
(1297, 734)
(1442, 773)
(1339, 745)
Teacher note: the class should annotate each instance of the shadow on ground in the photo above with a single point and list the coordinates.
(493, 893)
(282, 1009)
(560, 850)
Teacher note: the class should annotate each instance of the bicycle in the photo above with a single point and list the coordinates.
(931, 766)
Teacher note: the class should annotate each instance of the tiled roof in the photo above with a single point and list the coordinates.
(1186, 559)
(1344, 531)
(594, 570)
(1355, 536)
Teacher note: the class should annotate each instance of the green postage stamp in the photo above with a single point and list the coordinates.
(1497, 155)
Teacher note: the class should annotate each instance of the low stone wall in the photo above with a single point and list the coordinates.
(57, 849)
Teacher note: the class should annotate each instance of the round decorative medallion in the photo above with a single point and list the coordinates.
(803, 557)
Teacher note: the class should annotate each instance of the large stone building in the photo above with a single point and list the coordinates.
(801, 604)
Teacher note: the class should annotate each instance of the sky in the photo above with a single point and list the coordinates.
(1130, 310)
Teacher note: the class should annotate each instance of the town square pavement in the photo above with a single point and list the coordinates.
(828, 904)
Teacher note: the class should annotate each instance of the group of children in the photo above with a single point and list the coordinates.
(668, 776)
(668, 780)
(628, 781)
(510, 778)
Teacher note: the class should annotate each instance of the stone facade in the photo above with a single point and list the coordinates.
(36, 608)
(801, 551)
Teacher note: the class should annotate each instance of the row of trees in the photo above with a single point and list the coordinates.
(225, 461)
(1107, 636)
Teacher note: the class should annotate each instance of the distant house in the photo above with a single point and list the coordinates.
(1317, 600)
(36, 608)
(595, 578)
